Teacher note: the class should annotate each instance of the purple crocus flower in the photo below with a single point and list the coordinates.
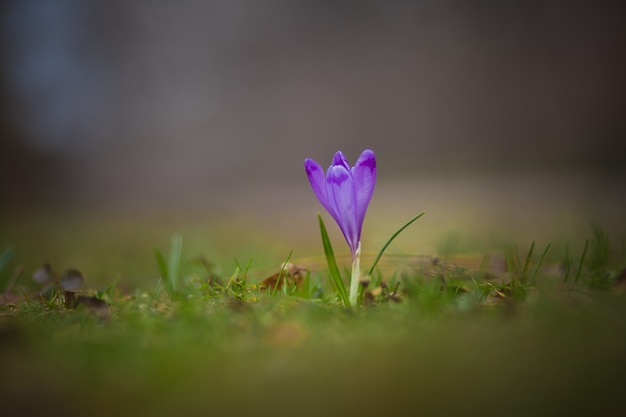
(345, 192)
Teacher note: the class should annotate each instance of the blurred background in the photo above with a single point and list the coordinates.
(479, 112)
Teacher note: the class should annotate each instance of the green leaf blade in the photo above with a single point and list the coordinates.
(332, 263)
(400, 230)
(173, 265)
(6, 256)
(161, 263)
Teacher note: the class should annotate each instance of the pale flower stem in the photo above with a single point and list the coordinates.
(355, 279)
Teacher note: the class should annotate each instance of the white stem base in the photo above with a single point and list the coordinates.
(356, 277)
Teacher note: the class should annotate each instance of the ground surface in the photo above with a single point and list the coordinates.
(475, 331)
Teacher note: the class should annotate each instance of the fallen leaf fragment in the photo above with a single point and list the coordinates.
(290, 273)
(99, 307)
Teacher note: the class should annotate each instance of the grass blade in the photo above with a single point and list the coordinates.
(173, 265)
(582, 259)
(6, 256)
(407, 224)
(540, 261)
(567, 262)
(244, 271)
(161, 263)
(511, 256)
(306, 286)
(282, 275)
(600, 248)
(530, 254)
(332, 263)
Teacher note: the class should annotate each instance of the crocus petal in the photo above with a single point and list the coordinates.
(341, 195)
(345, 192)
(364, 177)
(340, 159)
(318, 183)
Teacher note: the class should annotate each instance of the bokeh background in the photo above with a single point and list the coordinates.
(501, 113)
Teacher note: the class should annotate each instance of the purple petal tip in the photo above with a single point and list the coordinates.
(340, 159)
(337, 174)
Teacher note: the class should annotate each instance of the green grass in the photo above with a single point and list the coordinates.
(455, 344)
(502, 331)
(287, 355)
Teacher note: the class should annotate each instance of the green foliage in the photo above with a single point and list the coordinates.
(382, 250)
(5, 257)
(543, 255)
(246, 268)
(223, 343)
(283, 277)
(170, 269)
(600, 249)
(332, 264)
(601, 275)
(581, 262)
(530, 254)
(567, 262)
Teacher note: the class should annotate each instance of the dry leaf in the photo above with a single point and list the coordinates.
(99, 307)
(292, 274)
